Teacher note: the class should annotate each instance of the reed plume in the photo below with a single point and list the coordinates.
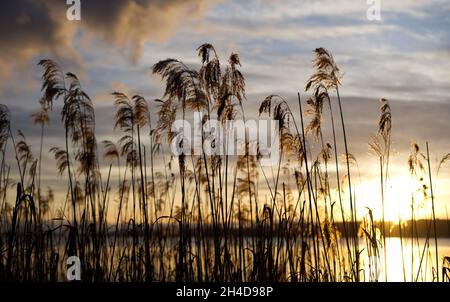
(327, 74)
(5, 120)
(381, 147)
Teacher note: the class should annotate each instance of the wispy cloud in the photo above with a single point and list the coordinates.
(40, 28)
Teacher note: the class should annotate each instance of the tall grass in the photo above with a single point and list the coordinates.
(156, 216)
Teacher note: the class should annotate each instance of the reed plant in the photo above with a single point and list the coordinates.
(133, 211)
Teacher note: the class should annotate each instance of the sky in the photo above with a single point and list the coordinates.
(404, 57)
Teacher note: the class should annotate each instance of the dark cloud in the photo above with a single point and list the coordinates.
(28, 28)
(31, 28)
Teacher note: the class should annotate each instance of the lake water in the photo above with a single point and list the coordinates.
(405, 260)
(399, 263)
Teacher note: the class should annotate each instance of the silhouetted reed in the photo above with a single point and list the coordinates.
(157, 216)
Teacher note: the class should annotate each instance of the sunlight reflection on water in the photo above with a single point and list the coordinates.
(401, 260)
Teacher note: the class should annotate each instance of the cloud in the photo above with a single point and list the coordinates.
(36, 28)
(28, 28)
(132, 23)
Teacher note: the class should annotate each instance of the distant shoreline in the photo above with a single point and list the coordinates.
(392, 229)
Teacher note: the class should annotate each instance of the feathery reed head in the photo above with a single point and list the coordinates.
(53, 79)
(233, 82)
(385, 120)
(61, 159)
(167, 115)
(327, 72)
(141, 111)
(5, 121)
(210, 73)
(124, 118)
(41, 117)
(415, 159)
(181, 83)
(204, 51)
(111, 151)
(23, 149)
